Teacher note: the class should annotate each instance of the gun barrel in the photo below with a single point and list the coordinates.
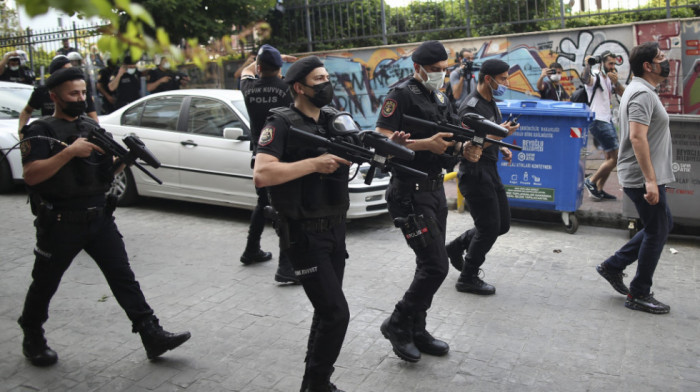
(475, 121)
(383, 146)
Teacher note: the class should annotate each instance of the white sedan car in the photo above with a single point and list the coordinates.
(202, 140)
(13, 99)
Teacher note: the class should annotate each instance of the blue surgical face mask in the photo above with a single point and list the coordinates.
(498, 91)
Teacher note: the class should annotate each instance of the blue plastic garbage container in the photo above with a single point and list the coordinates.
(548, 173)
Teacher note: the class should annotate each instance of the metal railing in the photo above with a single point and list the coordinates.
(330, 24)
(41, 45)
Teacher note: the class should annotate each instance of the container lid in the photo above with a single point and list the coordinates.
(545, 107)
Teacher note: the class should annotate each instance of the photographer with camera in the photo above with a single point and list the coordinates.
(462, 80)
(552, 89)
(602, 129)
(68, 176)
(162, 78)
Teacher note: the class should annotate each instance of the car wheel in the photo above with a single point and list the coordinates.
(7, 184)
(124, 188)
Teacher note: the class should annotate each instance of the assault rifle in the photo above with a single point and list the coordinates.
(137, 150)
(378, 151)
(478, 128)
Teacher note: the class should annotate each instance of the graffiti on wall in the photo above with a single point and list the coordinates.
(362, 78)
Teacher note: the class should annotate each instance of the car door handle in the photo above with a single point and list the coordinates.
(188, 143)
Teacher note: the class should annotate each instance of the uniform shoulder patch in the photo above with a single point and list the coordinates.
(415, 89)
(472, 102)
(267, 135)
(25, 147)
(440, 97)
(389, 107)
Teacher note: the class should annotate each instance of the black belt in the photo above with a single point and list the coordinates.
(77, 216)
(318, 225)
(430, 184)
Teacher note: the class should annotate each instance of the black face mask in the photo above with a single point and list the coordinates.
(74, 109)
(323, 94)
(665, 68)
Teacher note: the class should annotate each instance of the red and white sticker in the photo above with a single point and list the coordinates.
(575, 133)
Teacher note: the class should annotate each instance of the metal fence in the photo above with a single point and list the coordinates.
(41, 46)
(307, 25)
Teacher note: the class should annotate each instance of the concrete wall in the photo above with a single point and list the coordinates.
(362, 77)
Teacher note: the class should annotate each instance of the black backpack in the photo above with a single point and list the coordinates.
(581, 95)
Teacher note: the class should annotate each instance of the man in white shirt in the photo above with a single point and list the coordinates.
(600, 87)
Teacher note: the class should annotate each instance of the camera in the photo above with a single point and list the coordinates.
(593, 60)
(468, 68)
(551, 72)
(178, 76)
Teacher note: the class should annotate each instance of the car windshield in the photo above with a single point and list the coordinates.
(13, 100)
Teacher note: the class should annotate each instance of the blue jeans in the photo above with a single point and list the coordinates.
(646, 246)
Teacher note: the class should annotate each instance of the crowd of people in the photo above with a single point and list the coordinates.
(117, 81)
(308, 191)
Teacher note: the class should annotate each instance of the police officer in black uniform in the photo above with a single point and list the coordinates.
(41, 99)
(418, 200)
(162, 78)
(262, 94)
(67, 182)
(481, 185)
(105, 76)
(126, 84)
(12, 68)
(310, 193)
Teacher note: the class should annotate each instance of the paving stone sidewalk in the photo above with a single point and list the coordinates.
(554, 324)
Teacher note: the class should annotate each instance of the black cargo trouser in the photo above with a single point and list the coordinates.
(257, 224)
(57, 244)
(488, 205)
(318, 258)
(431, 261)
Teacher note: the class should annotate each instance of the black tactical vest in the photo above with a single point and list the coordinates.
(80, 177)
(314, 195)
(436, 109)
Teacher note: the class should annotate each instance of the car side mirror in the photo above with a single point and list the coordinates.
(235, 134)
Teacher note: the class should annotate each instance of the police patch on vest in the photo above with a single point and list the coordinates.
(267, 135)
(389, 108)
(25, 148)
(440, 97)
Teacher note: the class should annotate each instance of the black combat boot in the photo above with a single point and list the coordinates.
(157, 341)
(469, 282)
(316, 383)
(34, 347)
(424, 341)
(256, 255)
(252, 253)
(285, 272)
(398, 328)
